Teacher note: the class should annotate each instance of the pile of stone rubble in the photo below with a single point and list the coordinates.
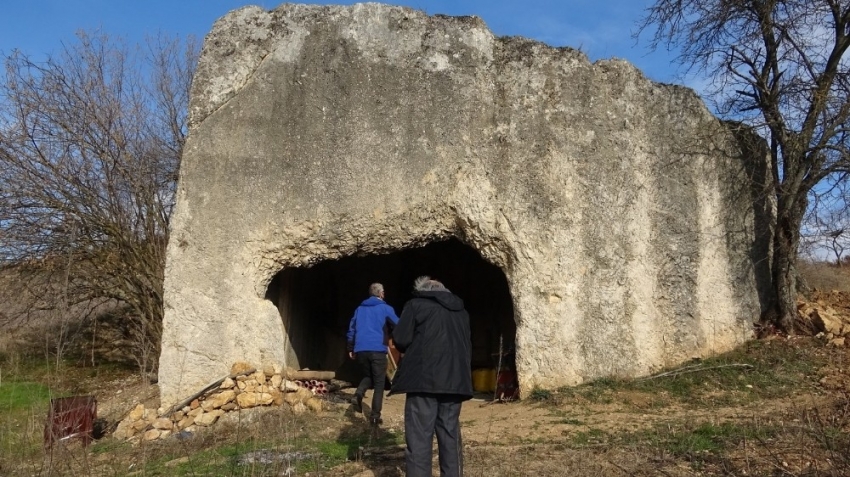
(245, 388)
(826, 315)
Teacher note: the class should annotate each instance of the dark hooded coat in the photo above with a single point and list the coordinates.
(433, 333)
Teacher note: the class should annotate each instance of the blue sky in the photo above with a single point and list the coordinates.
(600, 28)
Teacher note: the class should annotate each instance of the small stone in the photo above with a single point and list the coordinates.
(217, 400)
(247, 400)
(209, 418)
(277, 397)
(264, 399)
(151, 435)
(289, 386)
(162, 423)
(268, 369)
(240, 367)
(186, 409)
(124, 430)
(301, 395)
(195, 412)
(276, 381)
(176, 462)
(241, 385)
(231, 406)
(178, 416)
(299, 407)
(137, 413)
(260, 377)
(185, 422)
(228, 383)
(140, 425)
(194, 404)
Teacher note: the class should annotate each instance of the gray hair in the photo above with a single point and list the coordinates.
(376, 289)
(425, 283)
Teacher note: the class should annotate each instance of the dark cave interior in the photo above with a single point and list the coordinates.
(316, 303)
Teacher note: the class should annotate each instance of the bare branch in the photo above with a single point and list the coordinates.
(787, 61)
(90, 143)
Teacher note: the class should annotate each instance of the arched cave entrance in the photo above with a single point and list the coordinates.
(316, 303)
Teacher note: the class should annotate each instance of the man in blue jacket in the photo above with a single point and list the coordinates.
(368, 334)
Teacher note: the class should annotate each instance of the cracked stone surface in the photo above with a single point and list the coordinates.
(623, 214)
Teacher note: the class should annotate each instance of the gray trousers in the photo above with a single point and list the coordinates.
(424, 415)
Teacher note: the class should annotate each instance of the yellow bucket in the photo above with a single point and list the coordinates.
(484, 380)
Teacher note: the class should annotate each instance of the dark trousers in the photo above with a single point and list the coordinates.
(374, 366)
(425, 414)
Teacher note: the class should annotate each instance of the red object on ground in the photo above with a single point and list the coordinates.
(70, 418)
(507, 387)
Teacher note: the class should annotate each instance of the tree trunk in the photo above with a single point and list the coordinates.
(786, 240)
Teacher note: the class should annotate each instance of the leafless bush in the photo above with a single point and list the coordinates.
(90, 143)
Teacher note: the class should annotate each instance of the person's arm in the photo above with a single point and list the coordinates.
(352, 326)
(391, 319)
(403, 332)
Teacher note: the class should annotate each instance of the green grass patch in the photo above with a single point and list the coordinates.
(570, 421)
(565, 417)
(538, 394)
(16, 396)
(691, 442)
(589, 437)
(756, 370)
(270, 458)
(23, 409)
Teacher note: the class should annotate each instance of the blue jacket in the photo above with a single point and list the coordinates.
(371, 325)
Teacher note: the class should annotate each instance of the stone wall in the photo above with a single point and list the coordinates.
(623, 214)
(245, 388)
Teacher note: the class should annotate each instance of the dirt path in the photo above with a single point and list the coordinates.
(485, 422)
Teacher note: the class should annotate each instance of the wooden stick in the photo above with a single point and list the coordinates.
(694, 369)
(498, 371)
(392, 364)
(305, 374)
(206, 388)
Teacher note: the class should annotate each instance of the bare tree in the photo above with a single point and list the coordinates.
(90, 143)
(826, 228)
(781, 67)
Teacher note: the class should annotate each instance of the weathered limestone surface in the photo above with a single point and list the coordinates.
(619, 209)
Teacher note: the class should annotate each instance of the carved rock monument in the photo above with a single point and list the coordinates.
(596, 223)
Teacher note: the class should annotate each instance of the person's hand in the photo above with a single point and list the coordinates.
(351, 355)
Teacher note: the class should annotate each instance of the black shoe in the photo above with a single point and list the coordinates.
(376, 421)
(357, 403)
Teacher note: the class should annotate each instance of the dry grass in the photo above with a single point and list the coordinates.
(786, 415)
(825, 276)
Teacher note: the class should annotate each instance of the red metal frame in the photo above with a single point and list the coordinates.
(70, 418)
